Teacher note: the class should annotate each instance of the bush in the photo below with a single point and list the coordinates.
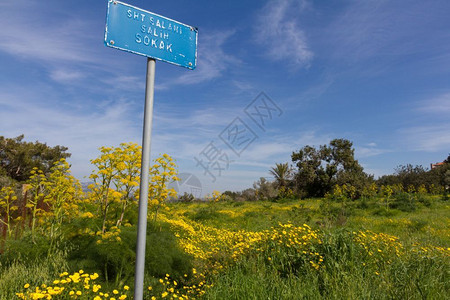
(115, 257)
(424, 199)
(188, 198)
(207, 212)
(382, 211)
(23, 250)
(404, 202)
(265, 190)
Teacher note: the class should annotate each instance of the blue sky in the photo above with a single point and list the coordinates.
(374, 72)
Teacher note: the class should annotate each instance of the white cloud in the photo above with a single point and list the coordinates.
(263, 151)
(81, 131)
(363, 152)
(277, 29)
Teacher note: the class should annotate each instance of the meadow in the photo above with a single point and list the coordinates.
(288, 249)
(62, 242)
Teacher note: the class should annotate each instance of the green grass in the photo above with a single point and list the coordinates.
(346, 275)
(428, 225)
(348, 270)
(15, 274)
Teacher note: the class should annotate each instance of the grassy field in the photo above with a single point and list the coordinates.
(292, 249)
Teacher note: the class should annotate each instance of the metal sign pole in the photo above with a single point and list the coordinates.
(143, 192)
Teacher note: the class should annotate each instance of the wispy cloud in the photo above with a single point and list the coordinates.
(430, 130)
(278, 30)
(65, 76)
(31, 38)
(278, 149)
(213, 61)
(439, 105)
(50, 38)
(386, 33)
(427, 138)
(368, 151)
(83, 132)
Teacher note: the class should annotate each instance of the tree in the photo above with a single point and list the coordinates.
(308, 161)
(18, 158)
(231, 194)
(265, 190)
(410, 175)
(439, 176)
(320, 169)
(282, 174)
(188, 198)
(447, 160)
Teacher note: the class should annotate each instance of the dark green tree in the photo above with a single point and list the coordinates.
(408, 175)
(18, 158)
(318, 170)
(411, 175)
(447, 160)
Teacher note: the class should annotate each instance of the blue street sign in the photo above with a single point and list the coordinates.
(142, 32)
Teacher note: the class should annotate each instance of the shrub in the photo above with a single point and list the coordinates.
(187, 198)
(404, 202)
(114, 255)
(207, 212)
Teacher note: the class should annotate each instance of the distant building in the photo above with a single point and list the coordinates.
(437, 165)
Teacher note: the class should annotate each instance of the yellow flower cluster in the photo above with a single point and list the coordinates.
(113, 234)
(216, 196)
(430, 250)
(221, 247)
(380, 245)
(342, 192)
(171, 289)
(78, 285)
(163, 172)
(383, 245)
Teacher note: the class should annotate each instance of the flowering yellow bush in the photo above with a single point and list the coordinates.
(37, 185)
(63, 192)
(162, 173)
(117, 178)
(216, 196)
(7, 198)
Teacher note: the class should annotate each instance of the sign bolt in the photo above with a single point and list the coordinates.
(111, 42)
(190, 64)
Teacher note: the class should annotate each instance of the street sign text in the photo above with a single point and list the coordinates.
(141, 32)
